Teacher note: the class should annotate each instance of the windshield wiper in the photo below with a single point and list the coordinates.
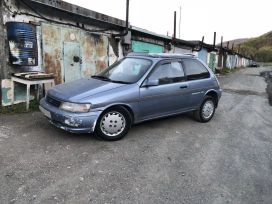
(101, 77)
(108, 79)
(121, 82)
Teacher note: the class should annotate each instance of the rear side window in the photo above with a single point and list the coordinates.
(168, 72)
(195, 70)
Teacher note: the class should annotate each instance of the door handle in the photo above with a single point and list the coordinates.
(183, 87)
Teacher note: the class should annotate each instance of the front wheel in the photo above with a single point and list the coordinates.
(113, 124)
(206, 110)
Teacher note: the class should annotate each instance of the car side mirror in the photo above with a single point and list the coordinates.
(149, 83)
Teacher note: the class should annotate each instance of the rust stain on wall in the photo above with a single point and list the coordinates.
(101, 47)
(52, 51)
(93, 49)
(95, 53)
(51, 35)
(52, 65)
(100, 65)
(87, 73)
(88, 56)
(88, 47)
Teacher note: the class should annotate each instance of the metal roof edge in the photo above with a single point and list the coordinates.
(134, 28)
(71, 8)
(169, 38)
(160, 55)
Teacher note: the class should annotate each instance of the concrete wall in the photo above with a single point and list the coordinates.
(2, 43)
(2, 48)
(203, 55)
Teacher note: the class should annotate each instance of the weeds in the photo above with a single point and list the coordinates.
(20, 108)
(225, 71)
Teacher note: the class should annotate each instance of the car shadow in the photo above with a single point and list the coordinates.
(154, 123)
(59, 134)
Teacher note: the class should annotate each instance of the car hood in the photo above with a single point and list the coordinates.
(80, 89)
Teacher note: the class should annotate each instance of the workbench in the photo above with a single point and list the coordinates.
(28, 83)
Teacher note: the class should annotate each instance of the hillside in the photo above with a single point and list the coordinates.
(259, 48)
(234, 42)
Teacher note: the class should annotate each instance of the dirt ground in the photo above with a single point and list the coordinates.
(268, 78)
(173, 160)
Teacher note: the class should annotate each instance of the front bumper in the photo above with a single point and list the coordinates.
(71, 122)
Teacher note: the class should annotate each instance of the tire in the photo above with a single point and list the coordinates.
(206, 111)
(113, 124)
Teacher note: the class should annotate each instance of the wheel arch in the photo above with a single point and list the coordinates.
(124, 106)
(213, 94)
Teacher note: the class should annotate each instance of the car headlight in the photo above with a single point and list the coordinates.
(75, 107)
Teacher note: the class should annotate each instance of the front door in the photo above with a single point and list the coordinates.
(72, 61)
(168, 96)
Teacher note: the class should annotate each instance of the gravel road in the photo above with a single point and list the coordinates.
(173, 160)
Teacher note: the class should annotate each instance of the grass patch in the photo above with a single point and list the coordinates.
(225, 71)
(266, 64)
(20, 108)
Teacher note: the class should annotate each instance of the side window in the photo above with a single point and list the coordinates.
(195, 70)
(169, 72)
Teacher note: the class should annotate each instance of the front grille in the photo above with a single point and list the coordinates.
(52, 101)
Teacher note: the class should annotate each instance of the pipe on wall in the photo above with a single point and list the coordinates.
(127, 19)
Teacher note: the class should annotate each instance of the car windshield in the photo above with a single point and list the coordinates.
(127, 70)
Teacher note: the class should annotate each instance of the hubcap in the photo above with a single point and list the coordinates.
(207, 109)
(112, 123)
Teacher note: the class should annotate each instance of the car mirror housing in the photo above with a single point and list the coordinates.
(148, 83)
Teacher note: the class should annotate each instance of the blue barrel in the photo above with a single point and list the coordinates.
(22, 41)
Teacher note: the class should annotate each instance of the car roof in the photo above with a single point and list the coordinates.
(160, 55)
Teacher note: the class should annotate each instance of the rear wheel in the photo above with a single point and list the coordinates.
(206, 110)
(113, 124)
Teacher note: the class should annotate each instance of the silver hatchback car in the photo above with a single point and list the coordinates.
(137, 88)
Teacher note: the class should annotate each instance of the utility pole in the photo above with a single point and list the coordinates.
(214, 39)
(175, 19)
(179, 19)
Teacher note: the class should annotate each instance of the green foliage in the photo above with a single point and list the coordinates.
(259, 48)
(20, 108)
(264, 54)
(226, 70)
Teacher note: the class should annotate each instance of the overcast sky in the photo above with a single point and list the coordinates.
(231, 19)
